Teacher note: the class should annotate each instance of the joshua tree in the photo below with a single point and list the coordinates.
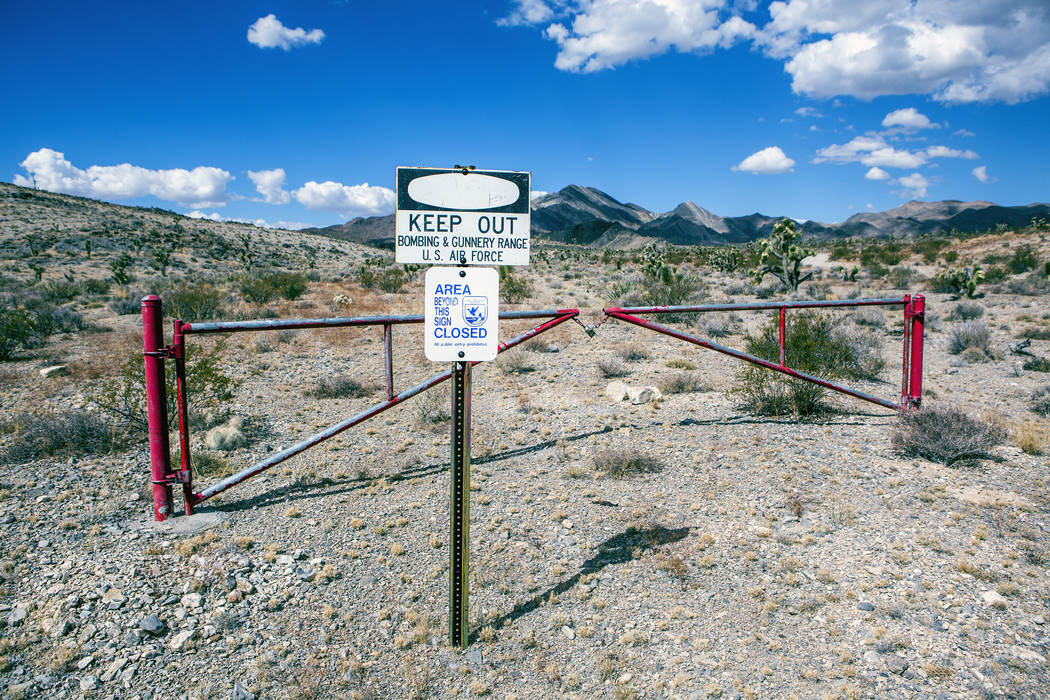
(781, 257)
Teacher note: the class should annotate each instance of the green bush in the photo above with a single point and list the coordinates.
(958, 281)
(929, 248)
(1040, 400)
(94, 285)
(1037, 364)
(264, 288)
(339, 386)
(946, 436)
(814, 347)
(123, 396)
(17, 331)
(513, 289)
(195, 302)
(58, 291)
(1023, 260)
(623, 464)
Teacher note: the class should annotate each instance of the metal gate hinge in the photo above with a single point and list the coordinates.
(179, 477)
(167, 352)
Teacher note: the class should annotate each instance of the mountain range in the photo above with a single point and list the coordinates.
(588, 216)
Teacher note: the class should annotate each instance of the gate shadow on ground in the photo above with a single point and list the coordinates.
(327, 486)
(618, 549)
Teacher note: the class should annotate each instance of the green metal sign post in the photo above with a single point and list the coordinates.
(459, 510)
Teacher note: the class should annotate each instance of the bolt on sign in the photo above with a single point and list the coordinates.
(461, 317)
(462, 217)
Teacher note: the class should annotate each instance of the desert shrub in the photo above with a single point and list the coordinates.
(516, 363)
(902, 276)
(958, 281)
(265, 287)
(967, 311)
(716, 325)
(866, 347)
(123, 396)
(682, 383)
(1023, 260)
(929, 248)
(813, 347)
(632, 353)
(58, 291)
(1032, 284)
(623, 464)
(996, 273)
(513, 289)
(1037, 364)
(126, 304)
(946, 436)
(433, 407)
(339, 386)
(869, 316)
(610, 368)
(195, 302)
(17, 331)
(969, 334)
(1032, 439)
(373, 275)
(72, 433)
(94, 285)
(1040, 400)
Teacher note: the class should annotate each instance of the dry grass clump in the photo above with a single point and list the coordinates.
(716, 325)
(623, 464)
(946, 436)
(682, 383)
(632, 353)
(1037, 364)
(1031, 438)
(72, 433)
(516, 363)
(970, 334)
(611, 368)
(432, 407)
(966, 311)
(339, 386)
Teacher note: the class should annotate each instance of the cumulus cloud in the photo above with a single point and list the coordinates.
(963, 132)
(261, 223)
(908, 118)
(607, 33)
(268, 33)
(48, 169)
(916, 184)
(945, 152)
(870, 150)
(981, 173)
(536, 194)
(876, 174)
(955, 50)
(270, 183)
(768, 161)
(527, 12)
(348, 200)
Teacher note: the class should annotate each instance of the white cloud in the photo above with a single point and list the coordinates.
(871, 150)
(348, 200)
(876, 174)
(527, 12)
(536, 194)
(963, 132)
(261, 223)
(768, 161)
(808, 112)
(908, 118)
(954, 50)
(49, 170)
(981, 173)
(269, 184)
(890, 157)
(945, 152)
(608, 33)
(916, 184)
(268, 33)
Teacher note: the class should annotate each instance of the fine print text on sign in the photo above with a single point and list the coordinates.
(461, 318)
(447, 218)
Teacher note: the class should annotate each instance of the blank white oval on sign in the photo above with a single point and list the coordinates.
(458, 191)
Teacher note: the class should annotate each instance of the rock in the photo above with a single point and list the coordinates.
(61, 628)
(234, 596)
(305, 573)
(617, 391)
(179, 640)
(993, 599)
(644, 394)
(54, 371)
(474, 657)
(244, 585)
(113, 595)
(153, 625)
(85, 662)
(191, 601)
(88, 683)
(897, 664)
(1027, 654)
(17, 615)
(113, 669)
(568, 632)
(241, 693)
(866, 606)
(227, 436)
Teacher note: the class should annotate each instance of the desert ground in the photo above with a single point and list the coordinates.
(682, 547)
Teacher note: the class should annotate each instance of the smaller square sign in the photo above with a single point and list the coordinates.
(461, 317)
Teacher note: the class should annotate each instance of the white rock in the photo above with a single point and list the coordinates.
(54, 371)
(88, 683)
(568, 632)
(179, 640)
(643, 394)
(1027, 654)
(994, 599)
(227, 436)
(191, 600)
(617, 391)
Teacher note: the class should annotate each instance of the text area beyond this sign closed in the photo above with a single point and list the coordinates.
(446, 217)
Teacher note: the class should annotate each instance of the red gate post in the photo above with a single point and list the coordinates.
(388, 351)
(156, 404)
(783, 334)
(918, 325)
(178, 343)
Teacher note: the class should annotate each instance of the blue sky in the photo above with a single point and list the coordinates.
(295, 113)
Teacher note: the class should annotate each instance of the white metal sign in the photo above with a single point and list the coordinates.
(461, 317)
(457, 217)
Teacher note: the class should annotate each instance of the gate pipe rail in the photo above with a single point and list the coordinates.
(914, 311)
(164, 477)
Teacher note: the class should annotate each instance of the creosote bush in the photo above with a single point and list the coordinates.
(682, 383)
(611, 368)
(203, 301)
(967, 311)
(71, 433)
(946, 436)
(262, 288)
(1040, 400)
(815, 346)
(970, 334)
(623, 464)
